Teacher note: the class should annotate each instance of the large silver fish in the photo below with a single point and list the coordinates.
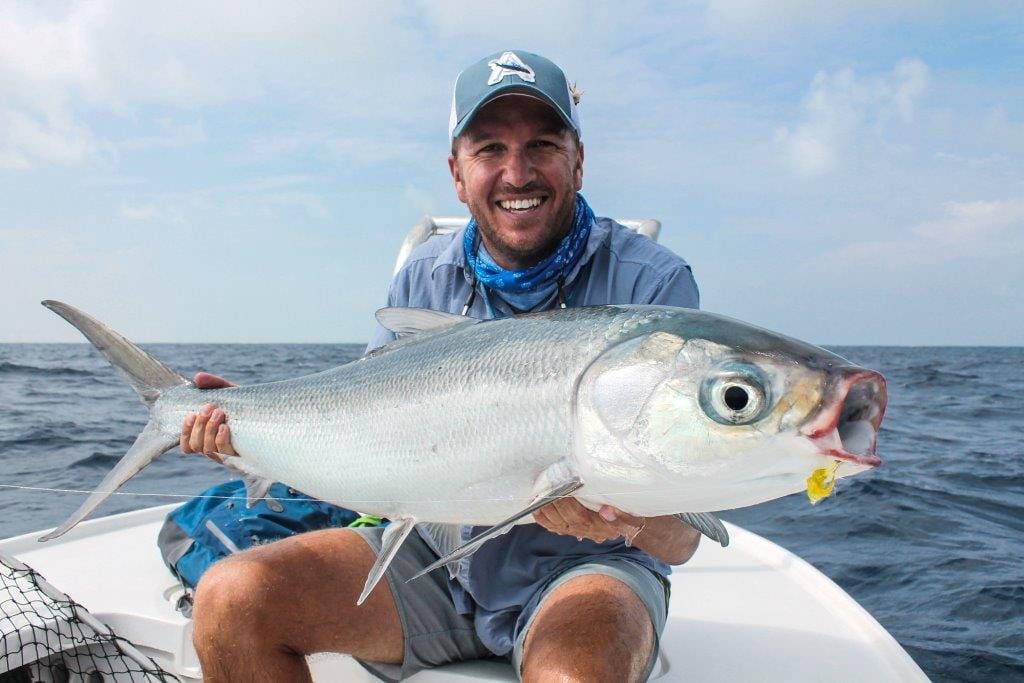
(652, 409)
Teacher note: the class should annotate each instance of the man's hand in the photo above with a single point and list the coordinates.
(569, 518)
(666, 538)
(206, 432)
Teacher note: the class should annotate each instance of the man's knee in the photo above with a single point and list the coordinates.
(593, 627)
(232, 597)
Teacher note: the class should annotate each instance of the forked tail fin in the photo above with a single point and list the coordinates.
(149, 377)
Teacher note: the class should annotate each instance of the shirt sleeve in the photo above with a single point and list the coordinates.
(677, 289)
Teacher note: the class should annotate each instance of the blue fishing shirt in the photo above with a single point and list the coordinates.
(502, 581)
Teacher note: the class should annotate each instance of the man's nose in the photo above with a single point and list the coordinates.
(519, 170)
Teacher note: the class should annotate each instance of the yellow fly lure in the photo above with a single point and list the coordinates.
(821, 483)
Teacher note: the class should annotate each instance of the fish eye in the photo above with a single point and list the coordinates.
(735, 395)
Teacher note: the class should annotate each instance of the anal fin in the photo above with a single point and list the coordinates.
(707, 524)
(257, 489)
(392, 539)
(471, 546)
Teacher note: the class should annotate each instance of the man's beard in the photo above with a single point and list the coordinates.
(524, 258)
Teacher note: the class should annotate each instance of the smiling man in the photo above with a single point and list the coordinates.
(581, 595)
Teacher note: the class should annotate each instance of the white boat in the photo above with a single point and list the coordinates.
(752, 611)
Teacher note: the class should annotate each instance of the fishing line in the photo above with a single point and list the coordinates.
(347, 502)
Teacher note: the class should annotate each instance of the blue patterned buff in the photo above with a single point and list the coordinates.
(545, 273)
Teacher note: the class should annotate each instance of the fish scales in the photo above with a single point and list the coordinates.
(456, 428)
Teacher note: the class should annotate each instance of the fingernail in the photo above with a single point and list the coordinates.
(190, 420)
(608, 515)
(206, 410)
(217, 415)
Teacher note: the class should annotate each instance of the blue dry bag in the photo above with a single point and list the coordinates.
(217, 523)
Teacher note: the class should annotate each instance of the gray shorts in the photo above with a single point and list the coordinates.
(436, 634)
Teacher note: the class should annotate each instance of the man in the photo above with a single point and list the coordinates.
(580, 595)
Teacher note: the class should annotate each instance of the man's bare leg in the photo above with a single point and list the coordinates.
(258, 613)
(591, 628)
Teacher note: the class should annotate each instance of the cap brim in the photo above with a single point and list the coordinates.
(508, 90)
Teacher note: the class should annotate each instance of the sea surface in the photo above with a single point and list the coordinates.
(932, 543)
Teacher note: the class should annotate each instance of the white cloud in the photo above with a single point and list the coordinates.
(989, 226)
(310, 203)
(273, 196)
(841, 110)
(974, 162)
(29, 138)
(113, 181)
(987, 232)
(43, 65)
(955, 277)
(746, 18)
(173, 135)
(422, 199)
(58, 71)
(163, 211)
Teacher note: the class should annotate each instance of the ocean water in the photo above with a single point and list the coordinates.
(932, 543)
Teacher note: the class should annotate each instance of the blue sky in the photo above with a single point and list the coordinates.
(245, 172)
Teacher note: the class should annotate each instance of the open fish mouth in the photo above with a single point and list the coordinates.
(847, 428)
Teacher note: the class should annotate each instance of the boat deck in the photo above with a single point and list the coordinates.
(752, 611)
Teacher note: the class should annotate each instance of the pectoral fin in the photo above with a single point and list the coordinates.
(471, 546)
(407, 321)
(391, 541)
(707, 524)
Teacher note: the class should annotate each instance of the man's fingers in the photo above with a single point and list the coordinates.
(223, 440)
(559, 524)
(541, 517)
(195, 441)
(186, 434)
(618, 519)
(206, 380)
(549, 518)
(210, 433)
(573, 513)
(622, 523)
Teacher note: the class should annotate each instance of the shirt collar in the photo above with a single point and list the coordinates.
(454, 256)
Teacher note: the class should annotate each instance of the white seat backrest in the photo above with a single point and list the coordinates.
(442, 225)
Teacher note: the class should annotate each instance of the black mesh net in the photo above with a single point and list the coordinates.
(46, 636)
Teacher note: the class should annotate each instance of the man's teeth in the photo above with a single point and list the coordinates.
(519, 204)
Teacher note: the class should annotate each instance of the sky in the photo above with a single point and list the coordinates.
(846, 173)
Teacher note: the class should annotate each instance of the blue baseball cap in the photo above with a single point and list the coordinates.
(511, 73)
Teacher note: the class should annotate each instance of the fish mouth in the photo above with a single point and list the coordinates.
(847, 428)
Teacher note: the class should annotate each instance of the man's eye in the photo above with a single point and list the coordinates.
(490, 149)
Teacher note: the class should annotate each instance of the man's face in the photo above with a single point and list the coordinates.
(517, 152)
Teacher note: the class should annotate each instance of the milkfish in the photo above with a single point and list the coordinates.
(655, 410)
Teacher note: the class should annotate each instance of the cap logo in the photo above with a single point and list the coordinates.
(509, 64)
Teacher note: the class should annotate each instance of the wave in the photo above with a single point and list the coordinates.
(8, 368)
(97, 461)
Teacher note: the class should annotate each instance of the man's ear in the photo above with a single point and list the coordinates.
(460, 188)
(578, 171)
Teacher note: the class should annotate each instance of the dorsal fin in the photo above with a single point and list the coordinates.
(406, 321)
